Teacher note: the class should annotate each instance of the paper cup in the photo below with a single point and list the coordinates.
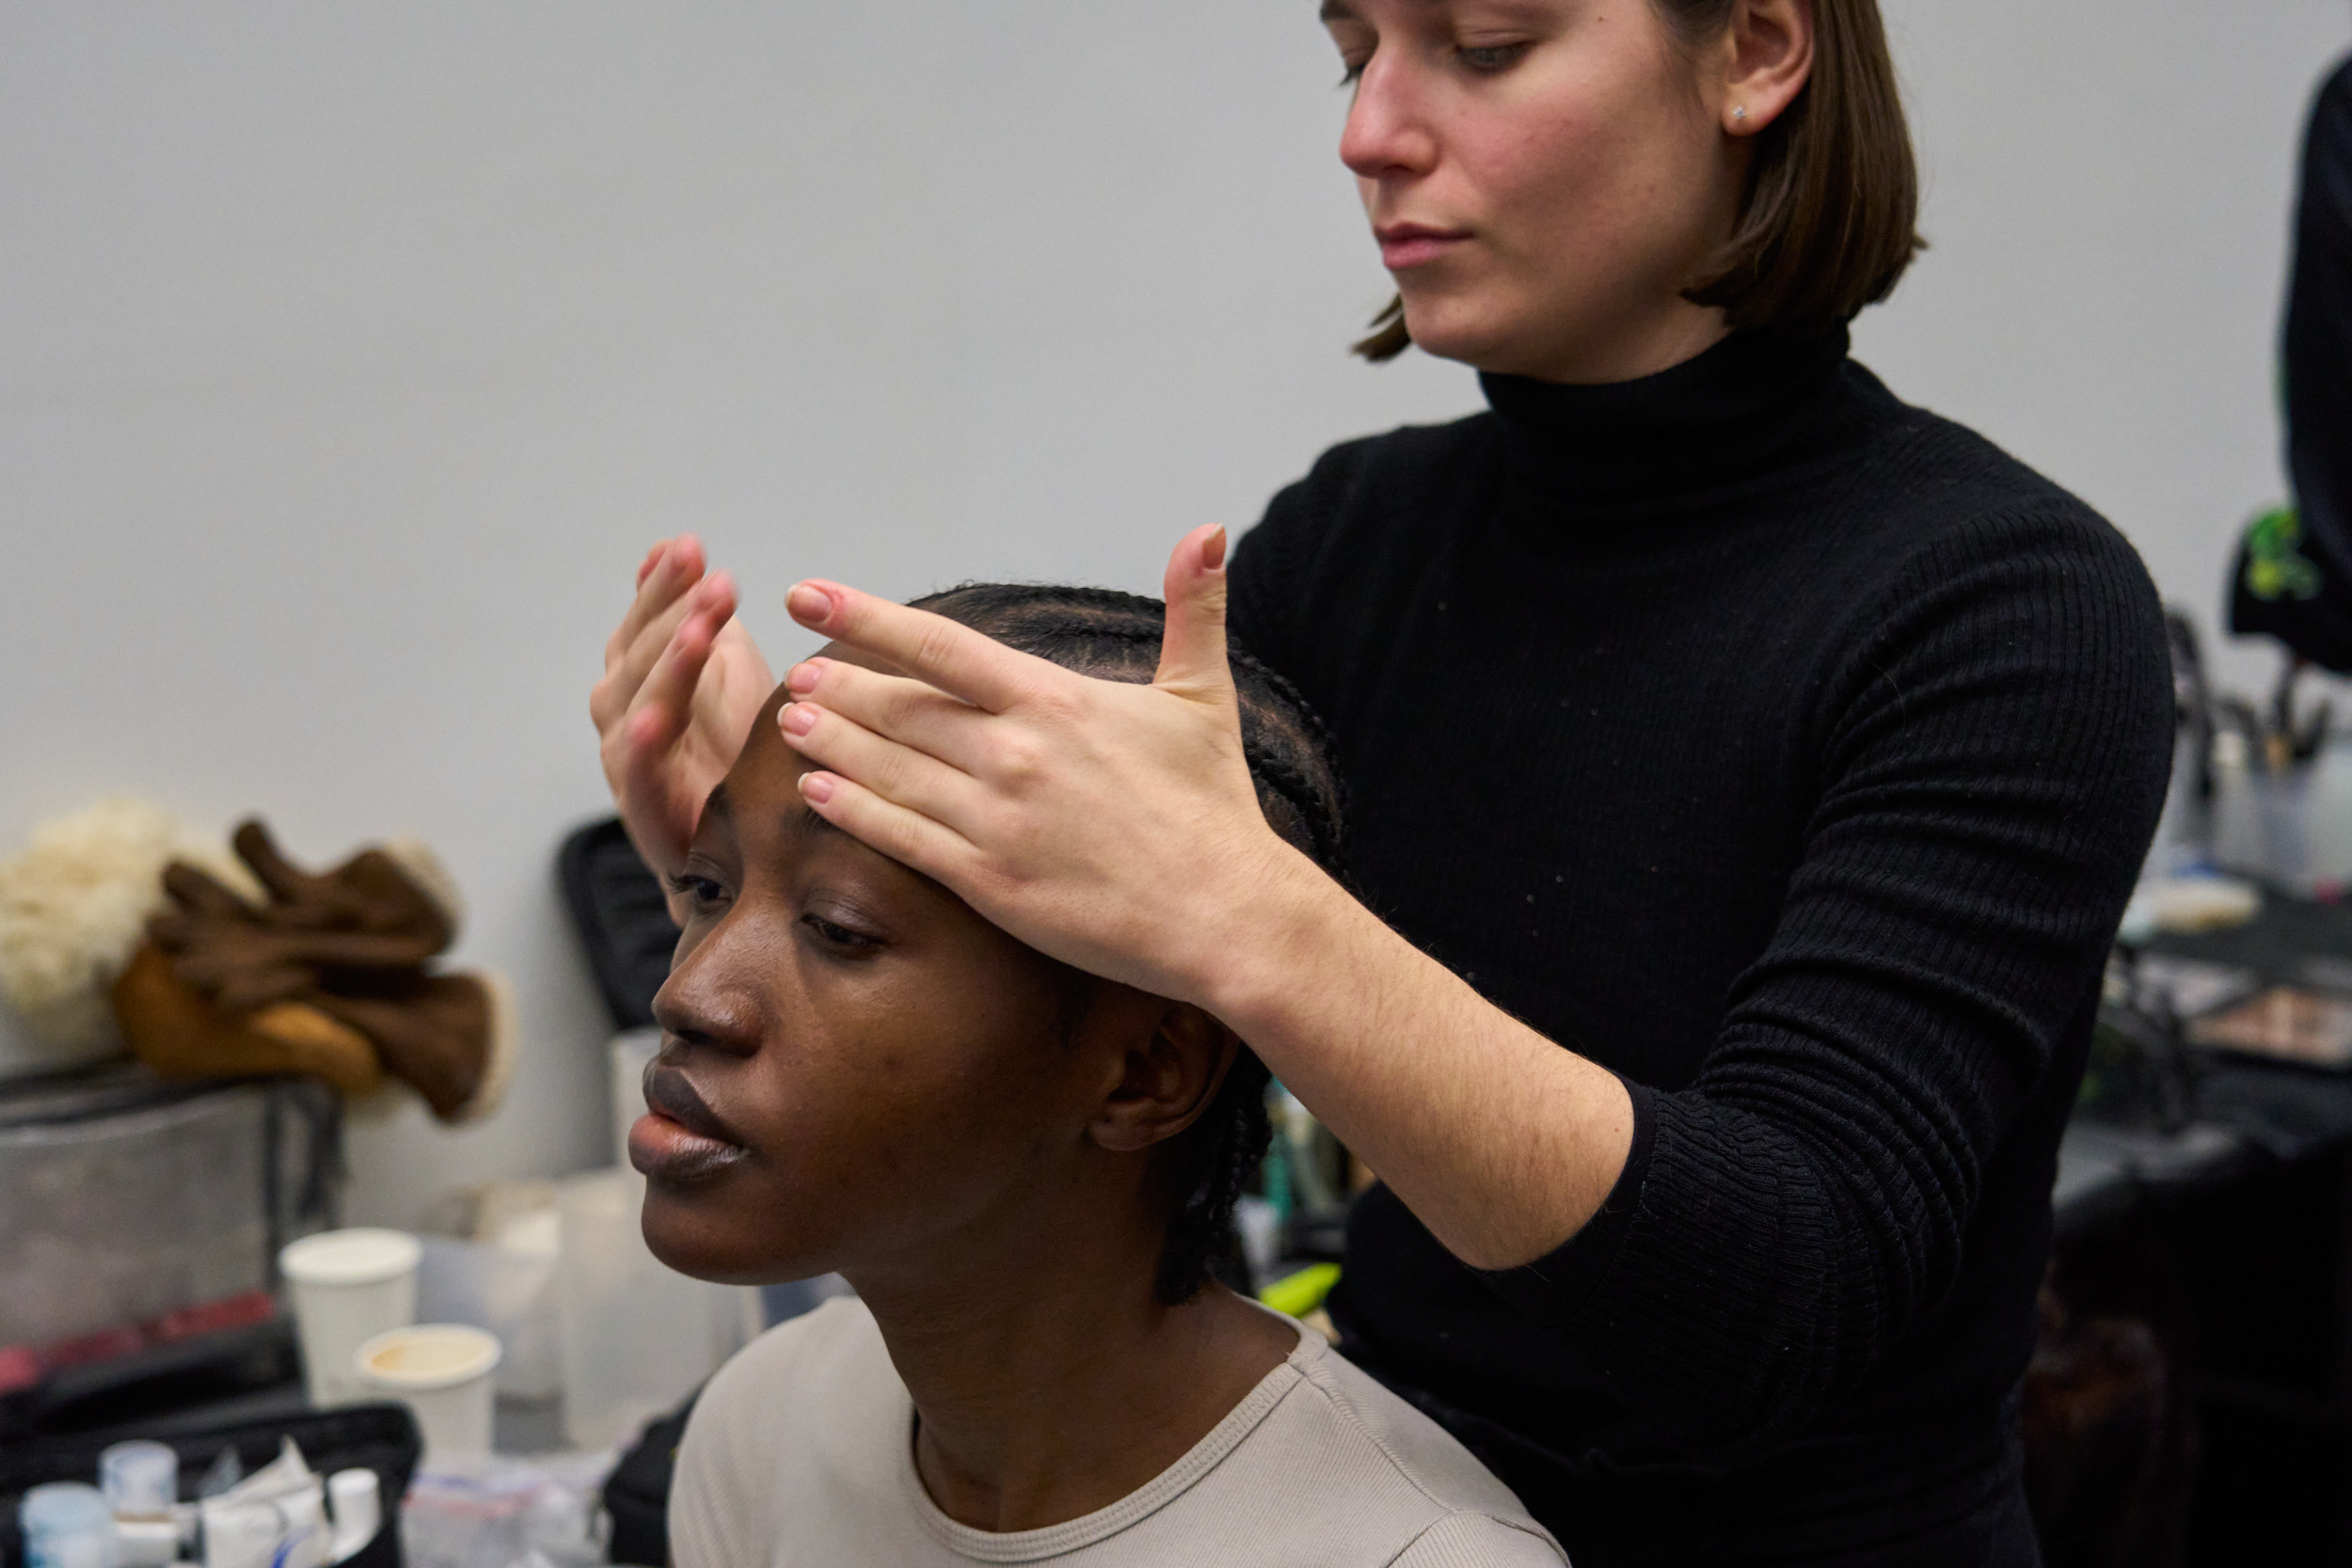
(348, 1287)
(442, 1372)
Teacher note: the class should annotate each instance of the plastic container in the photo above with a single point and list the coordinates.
(636, 1336)
(134, 1209)
(348, 1287)
(507, 1287)
(444, 1373)
(67, 1524)
(140, 1480)
(357, 1499)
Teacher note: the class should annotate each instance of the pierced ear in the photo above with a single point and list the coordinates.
(1167, 1077)
(1769, 49)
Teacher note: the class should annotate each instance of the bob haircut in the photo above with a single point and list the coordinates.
(1828, 223)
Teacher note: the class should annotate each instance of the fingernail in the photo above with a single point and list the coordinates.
(797, 719)
(817, 786)
(804, 678)
(1213, 550)
(809, 604)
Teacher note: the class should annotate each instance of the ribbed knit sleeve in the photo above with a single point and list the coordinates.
(1992, 737)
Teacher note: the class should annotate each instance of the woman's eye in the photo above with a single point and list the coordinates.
(701, 892)
(1491, 59)
(840, 938)
(1352, 71)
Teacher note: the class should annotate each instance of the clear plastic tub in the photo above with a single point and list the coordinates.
(140, 1212)
(636, 1336)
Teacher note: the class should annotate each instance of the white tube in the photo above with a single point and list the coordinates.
(358, 1501)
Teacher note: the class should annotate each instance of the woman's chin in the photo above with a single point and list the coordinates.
(702, 1239)
(1447, 326)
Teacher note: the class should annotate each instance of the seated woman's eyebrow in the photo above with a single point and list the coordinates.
(802, 821)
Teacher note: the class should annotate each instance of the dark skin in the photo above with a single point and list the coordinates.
(861, 1075)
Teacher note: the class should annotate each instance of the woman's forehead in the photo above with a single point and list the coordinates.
(840, 654)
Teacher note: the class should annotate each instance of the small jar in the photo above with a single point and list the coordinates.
(140, 1480)
(67, 1525)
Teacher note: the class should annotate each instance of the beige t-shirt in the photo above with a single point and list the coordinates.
(800, 1453)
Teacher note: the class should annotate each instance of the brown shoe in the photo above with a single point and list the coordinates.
(449, 1036)
(397, 891)
(374, 912)
(179, 1033)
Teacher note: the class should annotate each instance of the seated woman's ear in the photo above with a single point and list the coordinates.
(1167, 1061)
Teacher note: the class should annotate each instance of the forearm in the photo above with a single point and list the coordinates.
(1503, 1143)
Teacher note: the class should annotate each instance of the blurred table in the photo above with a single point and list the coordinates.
(2234, 1236)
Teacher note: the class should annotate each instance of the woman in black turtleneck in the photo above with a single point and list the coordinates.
(1748, 771)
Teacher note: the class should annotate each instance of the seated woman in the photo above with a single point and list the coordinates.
(1027, 1174)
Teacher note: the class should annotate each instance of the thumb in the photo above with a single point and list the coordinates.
(1192, 649)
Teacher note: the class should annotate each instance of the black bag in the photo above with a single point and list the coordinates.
(637, 1494)
(382, 1437)
(624, 922)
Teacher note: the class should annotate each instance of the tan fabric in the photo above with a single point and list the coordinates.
(800, 1453)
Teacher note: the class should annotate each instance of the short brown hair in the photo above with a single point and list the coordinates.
(1829, 221)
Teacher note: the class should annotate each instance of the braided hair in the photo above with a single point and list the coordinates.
(1114, 636)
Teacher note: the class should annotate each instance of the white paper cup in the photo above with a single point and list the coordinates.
(348, 1287)
(443, 1371)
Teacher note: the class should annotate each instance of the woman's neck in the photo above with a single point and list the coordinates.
(1754, 403)
(1612, 347)
(1056, 1385)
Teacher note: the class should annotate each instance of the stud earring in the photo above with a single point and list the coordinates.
(1739, 115)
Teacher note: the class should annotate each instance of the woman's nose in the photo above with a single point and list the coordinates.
(703, 1003)
(1387, 133)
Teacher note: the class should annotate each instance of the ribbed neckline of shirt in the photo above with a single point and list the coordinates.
(1034, 1545)
(1756, 402)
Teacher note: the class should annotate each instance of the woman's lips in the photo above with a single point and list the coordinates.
(679, 1139)
(1413, 245)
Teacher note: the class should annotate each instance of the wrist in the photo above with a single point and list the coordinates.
(1288, 921)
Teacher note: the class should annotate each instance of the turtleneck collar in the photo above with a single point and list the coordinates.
(1740, 409)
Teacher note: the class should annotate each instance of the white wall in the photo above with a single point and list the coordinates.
(2109, 191)
(350, 357)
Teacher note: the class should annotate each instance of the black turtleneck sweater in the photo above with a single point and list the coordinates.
(1789, 752)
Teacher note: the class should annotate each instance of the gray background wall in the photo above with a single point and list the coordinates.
(350, 357)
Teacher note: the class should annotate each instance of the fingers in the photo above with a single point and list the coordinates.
(899, 775)
(710, 601)
(894, 707)
(930, 647)
(1193, 658)
(676, 666)
(674, 566)
(908, 837)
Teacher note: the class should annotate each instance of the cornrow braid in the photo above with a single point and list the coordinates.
(1115, 636)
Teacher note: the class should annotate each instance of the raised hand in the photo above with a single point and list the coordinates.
(682, 683)
(1107, 824)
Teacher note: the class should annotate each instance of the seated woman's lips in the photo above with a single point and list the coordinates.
(679, 1139)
